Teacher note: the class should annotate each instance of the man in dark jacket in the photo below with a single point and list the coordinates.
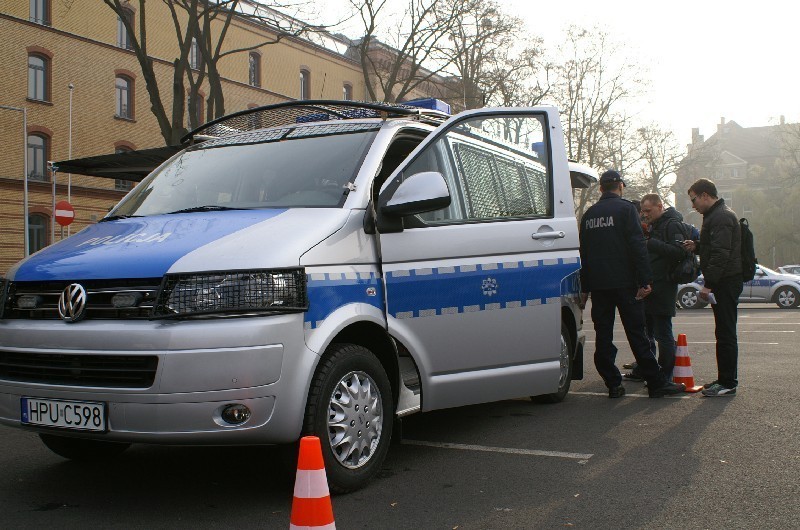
(665, 251)
(616, 271)
(720, 253)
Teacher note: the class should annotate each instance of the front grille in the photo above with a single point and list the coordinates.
(111, 371)
(98, 299)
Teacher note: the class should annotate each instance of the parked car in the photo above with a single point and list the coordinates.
(307, 267)
(789, 269)
(768, 286)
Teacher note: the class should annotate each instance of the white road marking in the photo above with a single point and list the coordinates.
(507, 450)
(605, 394)
(714, 342)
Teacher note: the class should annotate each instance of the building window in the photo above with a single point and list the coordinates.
(124, 97)
(40, 12)
(37, 157)
(347, 92)
(122, 185)
(195, 58)
(123, 38)
(197, 112)
(305, 84)
(37, 232)
(37, 77)
(254, 73)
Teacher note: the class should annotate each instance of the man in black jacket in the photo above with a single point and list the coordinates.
(720, 250)
(616, 271)
(665, 251)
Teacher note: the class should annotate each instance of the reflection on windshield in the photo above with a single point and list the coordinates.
(306, 172)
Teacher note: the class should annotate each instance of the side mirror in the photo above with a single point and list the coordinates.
(420, 193)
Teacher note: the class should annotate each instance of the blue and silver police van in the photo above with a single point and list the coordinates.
(311, 267)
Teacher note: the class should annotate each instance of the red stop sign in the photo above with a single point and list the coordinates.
(65, 213)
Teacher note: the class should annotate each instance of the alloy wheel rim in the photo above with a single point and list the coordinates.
(355, 419)
(786, 298)
(689, 298)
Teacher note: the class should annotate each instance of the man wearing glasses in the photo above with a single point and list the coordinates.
(719, 248)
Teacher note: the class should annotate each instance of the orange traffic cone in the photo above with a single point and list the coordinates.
(683, 366)
(311, 506)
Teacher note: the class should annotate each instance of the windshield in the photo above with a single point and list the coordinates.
(265, 169)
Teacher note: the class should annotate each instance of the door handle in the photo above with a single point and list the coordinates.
(548, 235)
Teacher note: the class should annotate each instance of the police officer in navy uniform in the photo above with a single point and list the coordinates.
(615, 270)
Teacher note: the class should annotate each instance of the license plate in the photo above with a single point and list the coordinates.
(80, 415)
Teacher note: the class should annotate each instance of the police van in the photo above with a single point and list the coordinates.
(312, 267)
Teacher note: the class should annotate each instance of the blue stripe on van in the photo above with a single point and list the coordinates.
(327, 292)
(465, 289)
(139, 247)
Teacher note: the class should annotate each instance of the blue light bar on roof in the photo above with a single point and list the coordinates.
(429, 103)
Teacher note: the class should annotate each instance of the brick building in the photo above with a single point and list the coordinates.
(48, 46)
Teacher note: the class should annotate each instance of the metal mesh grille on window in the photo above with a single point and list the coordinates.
(240, 291)
(479, 183)
(515, 191)
(282, 115)
(537, 182)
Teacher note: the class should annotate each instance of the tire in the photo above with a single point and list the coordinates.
(367, 418)
(82, 449)
(787, 297)
(689, 298)
(565, 358)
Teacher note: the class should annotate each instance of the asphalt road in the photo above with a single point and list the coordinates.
(589, 462)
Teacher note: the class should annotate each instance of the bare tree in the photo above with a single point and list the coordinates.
(593, 81)
(204, 25)
(408, 54)
(172, 129)
(479, 41)
(660, 155)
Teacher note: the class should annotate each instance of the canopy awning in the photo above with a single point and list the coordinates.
(130, 165)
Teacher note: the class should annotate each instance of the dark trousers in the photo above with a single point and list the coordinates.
(727, 292)
(631, 312)
(659, 331)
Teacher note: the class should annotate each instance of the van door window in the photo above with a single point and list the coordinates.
(496, 168)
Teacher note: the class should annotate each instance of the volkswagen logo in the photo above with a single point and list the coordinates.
(72, 303)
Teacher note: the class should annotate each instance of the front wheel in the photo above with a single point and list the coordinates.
(81, 448)
(350, 409)
(565, 358)
(689, 298)
(787, 297)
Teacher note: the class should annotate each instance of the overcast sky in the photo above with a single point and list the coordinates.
(706, 59)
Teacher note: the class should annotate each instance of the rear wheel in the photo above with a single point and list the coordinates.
(81, 448)
(565, 358)
(787, 297)
(689, 298)
(350, 409)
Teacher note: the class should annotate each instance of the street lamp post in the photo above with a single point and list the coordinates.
(69, 175)
(24, 112)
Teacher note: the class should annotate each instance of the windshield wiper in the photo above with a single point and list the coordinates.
(116, 217)
(206, 208)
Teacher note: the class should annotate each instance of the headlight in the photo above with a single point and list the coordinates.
(251, 291)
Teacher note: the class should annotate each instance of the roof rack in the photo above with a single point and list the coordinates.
(308, 111)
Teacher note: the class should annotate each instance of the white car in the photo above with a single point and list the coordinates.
(789, 269)
(768, 286)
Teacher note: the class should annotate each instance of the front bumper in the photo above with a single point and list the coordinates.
(203, 365)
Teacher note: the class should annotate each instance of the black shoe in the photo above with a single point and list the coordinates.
(616, 391)
(633, 376)
(712, 383)
(630, 366)
(667, 389)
